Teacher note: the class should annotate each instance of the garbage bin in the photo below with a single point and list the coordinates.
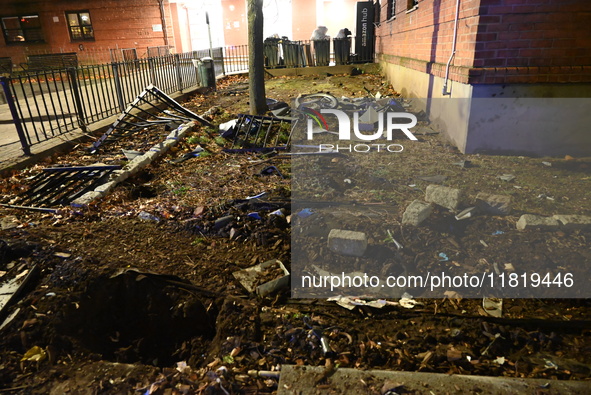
(206, 72)
(342, 49)
(322, 52)
(271, 51)
(292, 53)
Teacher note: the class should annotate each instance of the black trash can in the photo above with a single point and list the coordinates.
(322, 52)
(292, 53)
(342, 50)
(206, 72)
(271, 51)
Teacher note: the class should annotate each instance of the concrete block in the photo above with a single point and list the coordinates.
(347, 242)
(86, 199)
(493, 204)
(447, 197)
(416, 212)
(531, 221)
(572, 222)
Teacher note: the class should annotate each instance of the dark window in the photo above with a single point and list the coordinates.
(391, 9)
(25, 28)
(410, 4)
(80, 26)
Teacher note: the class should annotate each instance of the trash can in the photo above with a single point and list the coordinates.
(322, 52)
(342, 49)
(292, 53)
(206, 72)
(271, 51)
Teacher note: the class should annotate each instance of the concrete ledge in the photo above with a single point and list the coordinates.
(305, 380)
(368, 68)
(135, 165)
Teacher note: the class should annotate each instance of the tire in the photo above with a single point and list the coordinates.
(317, 101)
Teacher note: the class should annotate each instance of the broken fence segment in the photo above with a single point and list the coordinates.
(142, 113)
(255, 131)
(57, 186)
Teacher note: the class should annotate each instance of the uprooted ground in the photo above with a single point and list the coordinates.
(116, 303)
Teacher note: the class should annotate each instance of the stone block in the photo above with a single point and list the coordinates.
(531, 221)
(493, 204)
(416, 212)
(347, 242)
(447, 197)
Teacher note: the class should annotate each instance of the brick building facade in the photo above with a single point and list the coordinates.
(89, 28)
(511, 49)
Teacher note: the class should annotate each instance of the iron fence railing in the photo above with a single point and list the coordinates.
(48, 103)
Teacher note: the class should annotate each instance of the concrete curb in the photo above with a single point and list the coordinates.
(303, 380)
(135, 165)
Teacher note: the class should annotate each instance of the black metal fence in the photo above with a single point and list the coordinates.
(46, 104)
(290, 54)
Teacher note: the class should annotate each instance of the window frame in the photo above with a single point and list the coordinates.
(24, 31)
(412, 5)
(80, 26)
(391, 10)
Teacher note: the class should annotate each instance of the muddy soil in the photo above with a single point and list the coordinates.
(116, 304)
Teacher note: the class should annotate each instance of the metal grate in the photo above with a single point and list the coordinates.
(254, 131)
(141, 113)
(57, 186)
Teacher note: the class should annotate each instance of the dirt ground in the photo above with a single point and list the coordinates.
(117, 304)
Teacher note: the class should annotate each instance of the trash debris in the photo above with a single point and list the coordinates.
(499, 360)
(493, 306)
(265, 278)
(148, 217)
(467, 213)
(259, 196)
(351, 302)
(547, 164)
(305, 213)
(497, 232)
(267, 171)
(254, 215)
(34, 354)
(193, 154)
(443, 257)
(408, 302)
(11, 286)
(391, 239)
(131, 154)
(223, 221)
(228, 129)
(507, 177)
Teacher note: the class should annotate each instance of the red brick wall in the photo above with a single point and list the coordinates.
(426, 33)
(533, 41)
(117, 24)
(499, 41)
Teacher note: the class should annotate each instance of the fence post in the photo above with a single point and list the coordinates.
(118, 89)
(73, 73)
(13, 111)
(179, 77)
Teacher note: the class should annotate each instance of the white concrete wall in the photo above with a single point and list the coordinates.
(543, 119)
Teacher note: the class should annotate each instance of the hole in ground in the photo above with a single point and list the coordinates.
(133, 317)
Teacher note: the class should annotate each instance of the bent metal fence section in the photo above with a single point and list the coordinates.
(46, 104)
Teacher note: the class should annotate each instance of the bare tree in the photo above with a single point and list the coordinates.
(256, 62)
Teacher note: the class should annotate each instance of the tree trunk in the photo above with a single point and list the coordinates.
(256, 62)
